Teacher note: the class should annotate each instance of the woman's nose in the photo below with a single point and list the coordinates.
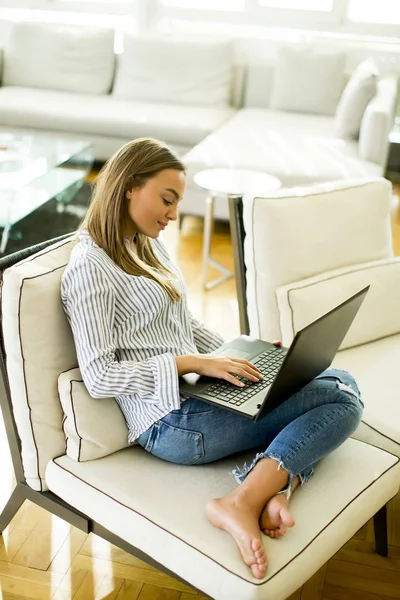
(172, 213)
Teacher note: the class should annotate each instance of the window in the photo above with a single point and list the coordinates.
(383, 12)
(228, 5)
(317, 5)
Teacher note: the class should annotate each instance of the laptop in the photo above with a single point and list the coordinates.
(285, 370)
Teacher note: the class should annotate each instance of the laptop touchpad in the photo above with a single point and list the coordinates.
(233, 352)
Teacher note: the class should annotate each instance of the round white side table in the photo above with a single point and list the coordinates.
(230, 183)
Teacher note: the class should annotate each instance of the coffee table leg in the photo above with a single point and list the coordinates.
(207, 259)
(4, 238)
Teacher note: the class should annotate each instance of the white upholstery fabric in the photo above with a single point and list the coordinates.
(308, 79)
(93, 427)
(375, 367)
(301, 302)
(175, 70)
(259, 80)
(377, 121)
(105, 115)
(287, 231)
(39, 346)
(123, 493)
(59, 57)
(297, 148)
(360, 89)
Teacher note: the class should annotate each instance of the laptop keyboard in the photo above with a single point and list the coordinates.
(268, 363)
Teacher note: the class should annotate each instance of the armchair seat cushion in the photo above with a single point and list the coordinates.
(108, 116)
(375, 367)
(159, 508)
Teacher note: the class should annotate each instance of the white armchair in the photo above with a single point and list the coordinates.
(67, 462)
(306, 250)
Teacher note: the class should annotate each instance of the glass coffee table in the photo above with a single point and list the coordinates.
(231, 183)
(36, 168)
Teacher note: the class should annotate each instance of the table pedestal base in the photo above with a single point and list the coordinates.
(207, 258)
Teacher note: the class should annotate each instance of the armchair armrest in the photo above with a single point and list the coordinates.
(377, 121)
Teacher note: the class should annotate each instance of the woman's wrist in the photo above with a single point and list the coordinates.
(188, 363)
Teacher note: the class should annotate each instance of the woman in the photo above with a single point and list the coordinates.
(134, 334)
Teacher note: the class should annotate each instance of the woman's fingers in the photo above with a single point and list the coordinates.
(248, 373)
(245, 363)
(246, 370)
(233, 379)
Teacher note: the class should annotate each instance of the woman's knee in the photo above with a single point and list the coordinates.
(349, 394)
(346, 391)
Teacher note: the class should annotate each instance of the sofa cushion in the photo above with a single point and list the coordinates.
(32, 312)
(131, 494)
(375, 367)
(60, 57)
(302, 302)
(359, 90)
(279, 225)
(108, 116)
(297, 148)
(308, 79)
(175, 70)
(93, 427)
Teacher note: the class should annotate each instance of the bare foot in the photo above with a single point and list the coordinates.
(238, 520)
(276, 518)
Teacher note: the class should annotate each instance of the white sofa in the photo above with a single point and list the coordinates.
(71, 456)
(287, 139)
(308, 249)
(209, 98)
(68, 81)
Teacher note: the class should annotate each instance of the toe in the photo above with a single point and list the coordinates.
(258, 571)
(287, 519)
(256, 545)
(281, 531)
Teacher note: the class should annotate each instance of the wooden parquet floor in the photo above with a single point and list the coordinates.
(43, 558)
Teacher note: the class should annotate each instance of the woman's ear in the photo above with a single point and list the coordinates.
(129, 194)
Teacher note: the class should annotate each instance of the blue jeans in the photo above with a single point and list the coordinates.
(297, 434)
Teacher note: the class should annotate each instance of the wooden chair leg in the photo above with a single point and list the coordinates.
(380, 531)
(13, 505)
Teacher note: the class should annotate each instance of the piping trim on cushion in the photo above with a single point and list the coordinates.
(73, 412)
(34, 257)
(302, 287)
(222, 566)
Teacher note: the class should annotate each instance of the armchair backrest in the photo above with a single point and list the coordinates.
(38, 346)
(296, 233)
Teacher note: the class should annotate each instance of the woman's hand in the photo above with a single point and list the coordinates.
(229, 369)
(219, 367)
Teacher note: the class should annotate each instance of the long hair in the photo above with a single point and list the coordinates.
(130, 167)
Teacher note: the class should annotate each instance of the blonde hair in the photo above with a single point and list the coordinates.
(131, 167)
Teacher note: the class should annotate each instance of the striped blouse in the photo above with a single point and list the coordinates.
(127, 332)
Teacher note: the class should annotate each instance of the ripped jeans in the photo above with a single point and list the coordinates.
(297, 434)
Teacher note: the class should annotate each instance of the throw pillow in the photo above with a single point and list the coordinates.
(302, 302)
(308, 79)
(360, 89)
(175, 70)
(93, 427)
(60, 57)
